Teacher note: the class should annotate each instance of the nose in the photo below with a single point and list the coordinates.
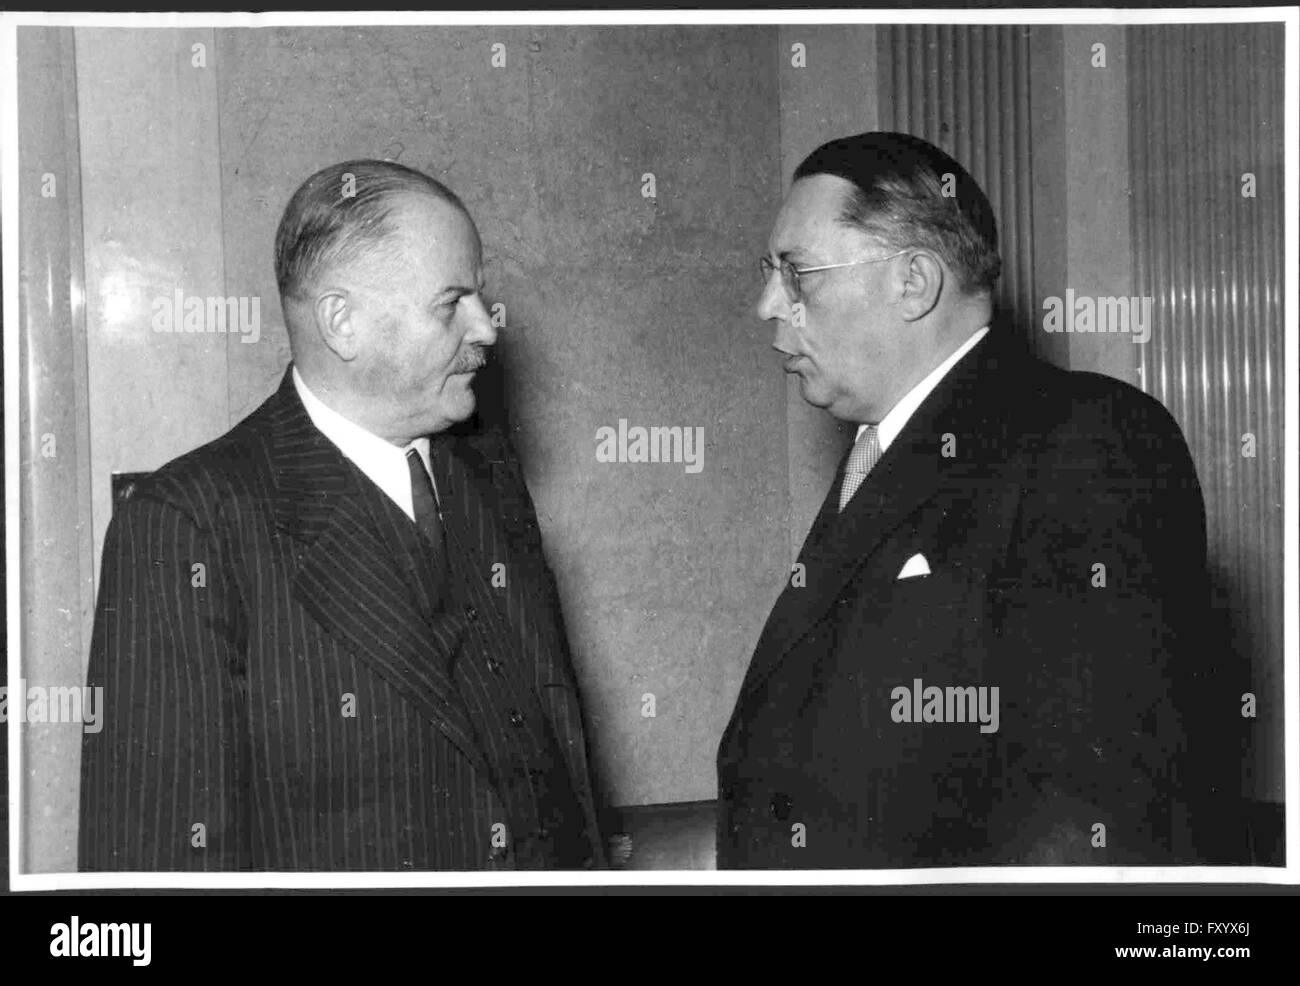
(773, 302)
(481, 331)
(774, 305)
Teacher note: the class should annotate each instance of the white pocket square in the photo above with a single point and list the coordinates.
(914, 566)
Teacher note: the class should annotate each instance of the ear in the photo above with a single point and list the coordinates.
(922, 286)
(333, 317)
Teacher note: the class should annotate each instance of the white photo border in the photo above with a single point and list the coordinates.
(1287, 874)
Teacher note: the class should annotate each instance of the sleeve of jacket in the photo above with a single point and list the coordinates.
(559, 680)
(162, 784)
(1109, 575)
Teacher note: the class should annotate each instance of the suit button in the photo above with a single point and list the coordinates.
(543, 833)
(471, 613)
(516, 717)
(779, 806)
(494, 665)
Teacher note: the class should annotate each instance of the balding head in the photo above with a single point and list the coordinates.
(339, 215)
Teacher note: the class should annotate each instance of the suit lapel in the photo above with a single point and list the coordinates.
(966, 406)
(349, 575)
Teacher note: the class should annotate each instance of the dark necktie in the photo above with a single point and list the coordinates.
(427, 518)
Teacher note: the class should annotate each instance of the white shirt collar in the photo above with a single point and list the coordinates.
(892, 423)
(382, 461)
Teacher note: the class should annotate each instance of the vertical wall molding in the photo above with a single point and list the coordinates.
(1207, 108)
(57, 561)
(151, 206)
(1099, 250)
(966, 89)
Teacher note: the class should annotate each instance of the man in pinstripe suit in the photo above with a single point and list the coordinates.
(329, 640)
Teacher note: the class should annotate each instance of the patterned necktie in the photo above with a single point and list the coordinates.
(427, 518)
(866, 450)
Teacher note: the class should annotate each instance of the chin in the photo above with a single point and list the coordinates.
(462, 407)
(812, 394)
(444, 414)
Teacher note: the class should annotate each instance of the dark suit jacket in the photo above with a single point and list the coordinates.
(1014, 480)
(255, 589)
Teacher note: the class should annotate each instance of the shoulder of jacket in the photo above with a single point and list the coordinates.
(202, 483)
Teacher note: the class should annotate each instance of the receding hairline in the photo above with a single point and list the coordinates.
(889, 180)
(841, 216)
(401, 202)
(399, 205)
(308, 239)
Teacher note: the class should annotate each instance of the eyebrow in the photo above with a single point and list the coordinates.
(459, 289)
(792, 253)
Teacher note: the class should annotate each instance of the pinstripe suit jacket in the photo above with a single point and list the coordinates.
(291, 684)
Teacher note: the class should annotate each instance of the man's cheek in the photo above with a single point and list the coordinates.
(445, 353)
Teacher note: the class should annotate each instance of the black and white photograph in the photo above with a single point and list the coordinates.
(791, 447)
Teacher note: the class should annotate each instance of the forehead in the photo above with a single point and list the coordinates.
(809, 215)
(435, 233)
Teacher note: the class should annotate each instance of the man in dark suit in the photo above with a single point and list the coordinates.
(329, 640)
(982, 656)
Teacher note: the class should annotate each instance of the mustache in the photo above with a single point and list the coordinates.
(471, 359)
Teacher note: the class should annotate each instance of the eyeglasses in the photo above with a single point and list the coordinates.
(790, 274)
